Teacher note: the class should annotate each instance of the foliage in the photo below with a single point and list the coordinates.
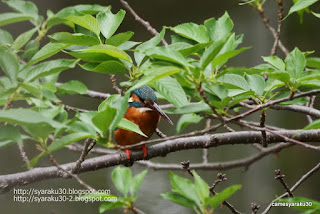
(128, 185)
(195, 58)
(196, 196)
(195, 61)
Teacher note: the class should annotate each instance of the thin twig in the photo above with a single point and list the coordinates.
(114, 84)
(277, 39)
(285, 138)
(295, 186)
(262, 125)
(272, 30)
(206, 100)
(141, 21)
(255, 207)
(93, 94)
(160, 134)
(226, 203)
(280, 177)
(67, 174)
(23, 154)
(288, 139)
(88, 145)
(271, 103)
(310, 105)
(220, 178)
(186, 166)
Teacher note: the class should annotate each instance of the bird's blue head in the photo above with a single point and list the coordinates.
(144, 97)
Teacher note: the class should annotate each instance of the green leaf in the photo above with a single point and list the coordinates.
(108, 50)
(128, 45)
(219, 29)
(110, 22)
(136, 182)
(167, 54)
(91, 57)
(314, 125)
(68, 139)
(22, 39)
(302, 204)
(187, 119)
(11, 133)
(210, 53)
(282, 76)
(201, 186)
(138, 56)
(179, 199)
(33, 122)
(122, 179)
(121, 104)
(190, 108)
(184, 187)
(9, 63)
(108, 67)
(171, 89)
(234, 80)
(313, 62)
(74, 39)
(4, 143)
(5, 37)
(9, 18)
(192, 31)
(190, 49)
(156, 74)
(300, 5)
(32, 88)
(130, 126)
(25, 7)
(103, 119)
(119, 38)
(216, 89)
(295, 63)
(87, 21)
(47, 51)
(275, 61)
(109, 206)
(31, 49)
(217, 199)
(73, 87)
(46, 68)
(223, 58)
(316, 14)
(256, 83)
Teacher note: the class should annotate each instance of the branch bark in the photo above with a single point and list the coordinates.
(245, 137)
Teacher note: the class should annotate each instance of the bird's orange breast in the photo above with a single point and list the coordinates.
(146, 119)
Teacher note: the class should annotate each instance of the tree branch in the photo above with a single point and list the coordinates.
(141, 21)
(277, 39)
(295, 186)
(272, 30)
(245, 137)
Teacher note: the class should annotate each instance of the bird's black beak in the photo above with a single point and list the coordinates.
(162, 114)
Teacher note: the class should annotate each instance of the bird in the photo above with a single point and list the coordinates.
(144, 112)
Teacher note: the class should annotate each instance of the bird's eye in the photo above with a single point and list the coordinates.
(142, 100)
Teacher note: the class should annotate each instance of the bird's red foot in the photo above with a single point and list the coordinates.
(144, 149)
(128, 153)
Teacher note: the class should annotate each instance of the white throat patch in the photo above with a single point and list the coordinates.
(144, 109)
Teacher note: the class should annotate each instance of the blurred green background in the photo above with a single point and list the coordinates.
(258, 181)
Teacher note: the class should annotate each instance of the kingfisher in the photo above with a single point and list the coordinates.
(143, 111)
